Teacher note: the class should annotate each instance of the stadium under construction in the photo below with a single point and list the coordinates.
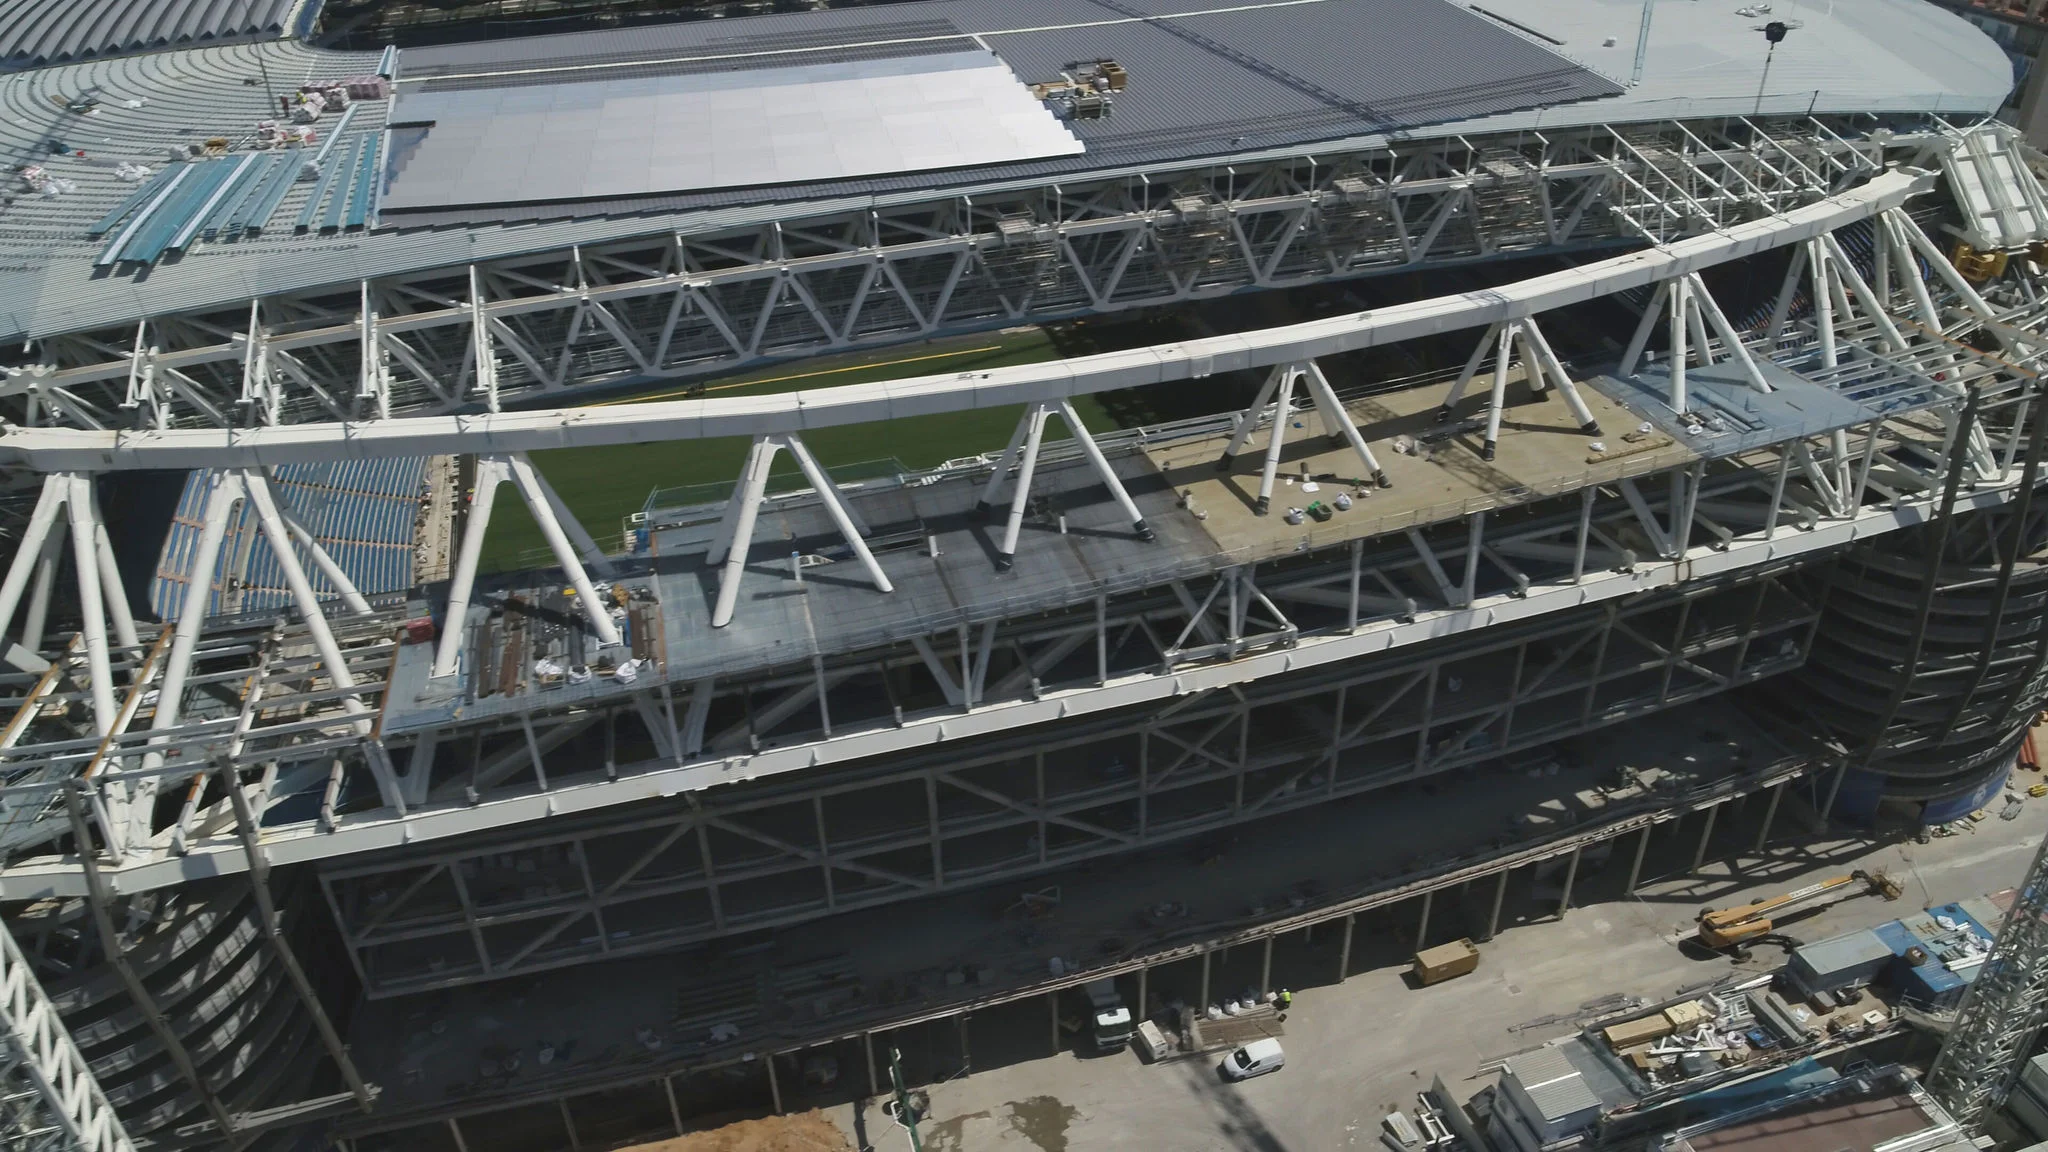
(1460, 420)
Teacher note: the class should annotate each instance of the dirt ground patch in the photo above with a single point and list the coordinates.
(801, 1132)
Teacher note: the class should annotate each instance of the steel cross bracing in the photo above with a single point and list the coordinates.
(781, 851)
(1895, 348)
(49, 1099)
(2002, 1012)
(677, 305)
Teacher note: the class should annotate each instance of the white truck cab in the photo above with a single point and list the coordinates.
(1254, 1059)
(1109, 1015)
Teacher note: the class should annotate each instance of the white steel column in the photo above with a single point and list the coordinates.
(526, 480)
(1490, 339)
(578, 535)
(33, 1036)
(490, 472)
(745, 507)
(1034, 435)
(1704, 303)
(1644, 328)
(91, 605)
(835, 507)
(1283, 411)
(1093, 451)
(1004, 463)
(1248, 419)
(32, 623)
(111, 588)
(258, 490)
(1498, 400)
(1337, 421)
(1546, 362)
(225, 488)
(56, 490)
(342, 585)
(1679, 353)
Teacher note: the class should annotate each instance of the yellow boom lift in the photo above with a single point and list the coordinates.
(1733, 927)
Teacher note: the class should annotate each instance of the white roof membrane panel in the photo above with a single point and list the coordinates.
(635, 135)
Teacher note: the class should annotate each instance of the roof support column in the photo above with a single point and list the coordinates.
(56, 489)
(321, 560)
(741, 513)
(537, 502)
(1034, 435)
(1337, 421)
(1536, 351)
(1248, 419)
(490, 472)
(1498, 400)
(91, 599)
(1110, 479)
(1283, 410)
(1487, 341)
(835, 507)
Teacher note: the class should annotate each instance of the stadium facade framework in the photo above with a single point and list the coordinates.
(1744, 333)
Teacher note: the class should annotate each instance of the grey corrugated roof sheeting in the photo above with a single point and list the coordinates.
(37, 32)
(1222, 78)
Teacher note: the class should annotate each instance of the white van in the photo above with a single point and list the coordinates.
(1254, 1059)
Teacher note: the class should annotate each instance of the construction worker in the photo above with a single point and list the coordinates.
(1285, 1000)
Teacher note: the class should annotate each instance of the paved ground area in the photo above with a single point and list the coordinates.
(1358, 1050)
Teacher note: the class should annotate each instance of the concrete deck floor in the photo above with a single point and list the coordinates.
(1541, 452)
(431, 1048)
(1361, 1049)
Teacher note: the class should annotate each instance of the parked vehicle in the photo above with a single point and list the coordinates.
(1254, 1059)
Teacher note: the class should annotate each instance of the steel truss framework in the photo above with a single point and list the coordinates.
(783, 851)
(675, 305)
(49, 1100)
(1894, 347)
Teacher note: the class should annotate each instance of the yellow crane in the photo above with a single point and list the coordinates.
(1733, 927)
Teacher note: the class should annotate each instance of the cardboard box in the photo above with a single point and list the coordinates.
(1687, 1016)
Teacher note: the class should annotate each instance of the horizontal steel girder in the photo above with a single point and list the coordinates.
(677, 305)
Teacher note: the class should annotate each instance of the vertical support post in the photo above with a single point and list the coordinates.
(34, 538)
(1282, 412)
(1489, 339)
(1422, 926)
(1644, 327)
(1020, 499)
(1357, 564)
(1100, 463)
(1344, 949)
(1777, 493)
(1763, 835)
(1144, 971)
(1336, 419)
(867, 1049)
(1052, 1001)
(1571, 876)
(1699, 855)
(490, 472)
(1204, 998)
(1679, 354)
(86, 569)
(528, 483)
(1585, 534)
(1266, 967)
(1475, 533)
(774, 1085)
(1635, 868)
(1249, 418)
(745, 509)
(1827, 810)
(1499, 399)
(39, 594)
(1500, 894)
(842, 518)
(675, 1111)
